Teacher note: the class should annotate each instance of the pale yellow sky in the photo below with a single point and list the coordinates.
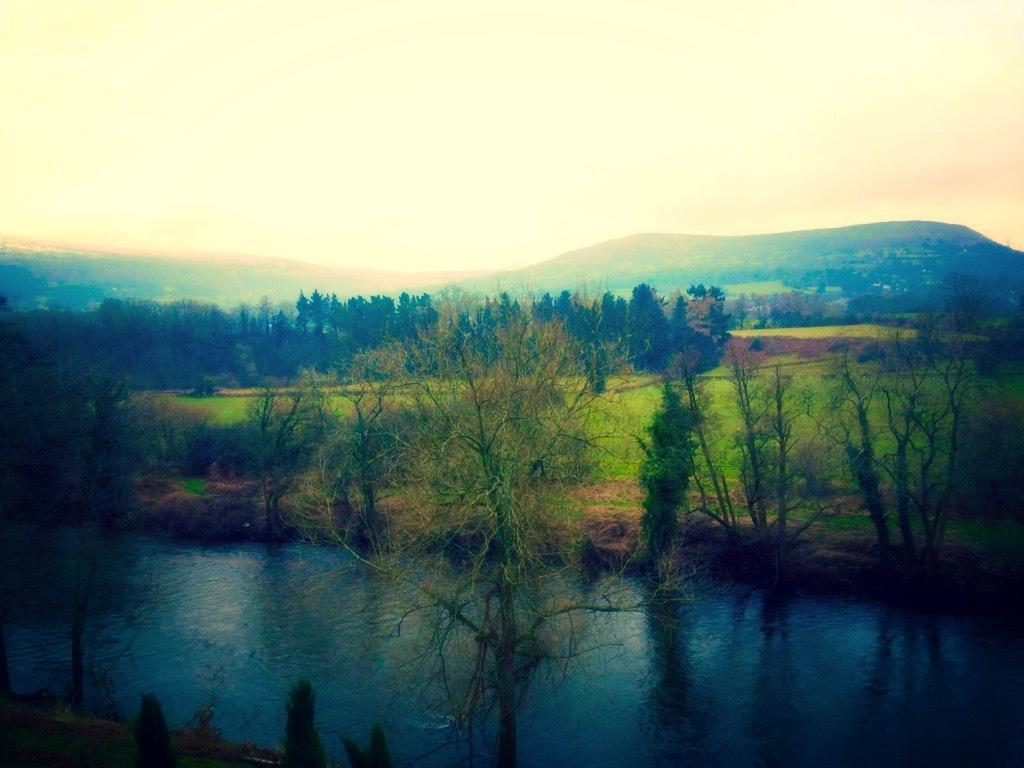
(448, 135)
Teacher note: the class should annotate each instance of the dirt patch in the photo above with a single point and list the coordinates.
(228, 510)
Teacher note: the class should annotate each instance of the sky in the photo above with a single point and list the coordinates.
(473, 135)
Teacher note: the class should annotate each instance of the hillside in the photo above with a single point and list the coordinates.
(891, 258)
(33, 275)
(908, 256)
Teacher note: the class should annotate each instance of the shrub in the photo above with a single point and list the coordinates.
(151, 736)
(376, 755)
(302, 747)
(665, 472)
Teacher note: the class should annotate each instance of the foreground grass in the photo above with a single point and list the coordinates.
(34, 737)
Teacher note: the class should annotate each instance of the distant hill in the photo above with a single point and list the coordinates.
(898, 256)
(36, 275)
(890, 258)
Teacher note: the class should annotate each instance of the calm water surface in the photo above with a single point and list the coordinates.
(730, 680)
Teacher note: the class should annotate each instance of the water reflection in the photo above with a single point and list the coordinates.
(732, 680)
(675, 725)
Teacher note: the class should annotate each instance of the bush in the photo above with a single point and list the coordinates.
(302, 747)
(208, 444)
(376, 755)
(990, 483)
(227, 513)
(665, 472)
(152, 738)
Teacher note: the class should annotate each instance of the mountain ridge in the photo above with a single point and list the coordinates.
(911, 254)
(877, 257)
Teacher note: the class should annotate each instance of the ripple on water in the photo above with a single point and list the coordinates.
(730, 680)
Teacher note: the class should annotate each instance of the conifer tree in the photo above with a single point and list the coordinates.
(151, 736)
(665, 472)
(302, 747)
(376, 755)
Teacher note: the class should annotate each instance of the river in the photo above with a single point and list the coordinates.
(730, 679)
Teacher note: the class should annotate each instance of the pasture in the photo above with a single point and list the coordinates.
(857, 331)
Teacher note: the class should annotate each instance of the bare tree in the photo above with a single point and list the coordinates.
(280, 444)
(369, 431)
(853, 397)
(769, 408)
(924, 388)
(752, 438)
(499, 428)
(708, 476)
(354, 460)
(967, 300)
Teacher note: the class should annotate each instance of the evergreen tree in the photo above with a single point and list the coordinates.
(318, 311)
(302, 747)
(302, 307)
(335, 310)
(648, 329)
(544, 308)
(563, 306)
(665, 471)
(613, 317)
(151, 737)
(679, 325)
(376, 755)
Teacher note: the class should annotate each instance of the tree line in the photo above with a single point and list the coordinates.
(188, 345)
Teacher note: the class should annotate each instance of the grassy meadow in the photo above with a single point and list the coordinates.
(624, 413)
(857, 331)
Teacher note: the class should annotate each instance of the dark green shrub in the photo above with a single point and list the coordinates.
(376, 755)
(665, 472)
(302, 747)
(151, 736)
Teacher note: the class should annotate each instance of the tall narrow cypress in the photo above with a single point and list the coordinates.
(151, 737)
(302, 747)
(376, 755)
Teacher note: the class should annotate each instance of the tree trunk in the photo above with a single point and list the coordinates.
(782, 477)
(5, 674)
(369, 508)
(505, 659)
(862, 461)
(77, 651)
(903, 503)
(725, 510)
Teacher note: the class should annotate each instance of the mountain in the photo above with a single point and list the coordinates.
(34, 275)
(895, 257)
(889, 258)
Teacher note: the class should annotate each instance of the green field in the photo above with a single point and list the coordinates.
(769, 287)
(223, 409)
(757, 287)
(623, 414)
(625, 411)
(860, 331)
(231, 407)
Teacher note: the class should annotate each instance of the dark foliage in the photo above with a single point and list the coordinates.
(665, 471)
(302, 747)
(152, 738)
(376, 754)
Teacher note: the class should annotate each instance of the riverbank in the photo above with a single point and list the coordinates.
(49, 735)
(981, 567)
